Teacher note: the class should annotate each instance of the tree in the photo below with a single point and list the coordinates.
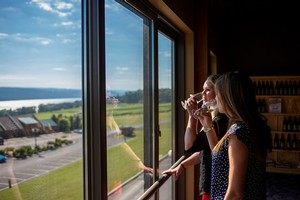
(63, 124)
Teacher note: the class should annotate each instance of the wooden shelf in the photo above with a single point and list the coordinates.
(286, 150)
(285, 161)
(283, 170)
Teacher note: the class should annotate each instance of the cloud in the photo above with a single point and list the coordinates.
(38, 40)
(68, 41)
(121, 70)
(3, 35)
(69, 23)
(56, 7)
(165, 53)
(111, 5)
(58, 69)
(63, 5)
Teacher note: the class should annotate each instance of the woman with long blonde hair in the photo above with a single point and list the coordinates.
(238, 159)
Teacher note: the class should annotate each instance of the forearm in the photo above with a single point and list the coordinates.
(212, 138)
(194, 159)
(190, 133)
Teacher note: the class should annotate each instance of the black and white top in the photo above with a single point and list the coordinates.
(255, 179)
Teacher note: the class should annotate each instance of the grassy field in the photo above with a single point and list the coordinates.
(65, 183)
(124, 160)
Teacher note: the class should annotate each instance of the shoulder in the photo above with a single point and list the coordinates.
(241, 131)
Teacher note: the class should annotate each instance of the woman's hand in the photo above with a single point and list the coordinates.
(177, 171)
(204, 117)
(191, 105)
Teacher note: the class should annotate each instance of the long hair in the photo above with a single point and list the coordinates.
(236, 95)
(213, 78)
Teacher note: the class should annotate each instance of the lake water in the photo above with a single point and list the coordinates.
(14, 104)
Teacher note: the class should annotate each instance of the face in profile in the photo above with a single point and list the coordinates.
(208, 91)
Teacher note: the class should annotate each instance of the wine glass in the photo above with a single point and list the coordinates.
(198, 96)
(208, 106)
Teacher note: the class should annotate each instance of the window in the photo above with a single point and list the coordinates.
(131, 60)
(41, 111)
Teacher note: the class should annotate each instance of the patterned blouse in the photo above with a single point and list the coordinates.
(255, 188)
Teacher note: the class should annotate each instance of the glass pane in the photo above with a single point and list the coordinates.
(165, 69)
(125, 102)
(40, 113)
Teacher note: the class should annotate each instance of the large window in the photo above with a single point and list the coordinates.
(89, 104)
(40, 101)
(139, 65)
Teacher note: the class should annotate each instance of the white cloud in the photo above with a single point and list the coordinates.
(122, 69)
(55, 8)
(165, 53)
(3, 35)
(38, 40)
(68, 41)
(69, 23)
(63, 5)
(111, 5)
(58, 69)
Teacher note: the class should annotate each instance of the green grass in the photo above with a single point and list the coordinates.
(123, 160)
(65, 183)
(64, 112)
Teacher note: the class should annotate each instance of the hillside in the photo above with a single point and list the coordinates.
(14, 93)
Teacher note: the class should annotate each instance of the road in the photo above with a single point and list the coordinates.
(15, 171)
(19, 170)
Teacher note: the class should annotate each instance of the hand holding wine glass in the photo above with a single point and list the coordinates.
(198, 97)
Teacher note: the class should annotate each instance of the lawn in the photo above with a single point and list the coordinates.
(65, 183)
(124, 160)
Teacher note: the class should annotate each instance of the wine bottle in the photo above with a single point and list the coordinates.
(288, 142)
(285, 88)
(294, 90)
(281, 88)
(284, 125)
(258, 89)
(276, 88)
(290, 88)
(267, 88)
(289, 124)
(294, 142)
(295, 124)
(282, 142)
(271, 88)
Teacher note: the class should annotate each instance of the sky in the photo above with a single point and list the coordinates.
(40, 45)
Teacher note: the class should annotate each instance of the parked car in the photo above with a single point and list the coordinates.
(2, 159)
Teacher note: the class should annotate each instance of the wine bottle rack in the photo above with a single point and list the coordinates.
(278, 100)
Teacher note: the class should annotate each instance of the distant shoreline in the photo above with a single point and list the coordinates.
(14, 104)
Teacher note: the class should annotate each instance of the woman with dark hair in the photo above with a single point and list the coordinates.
(238, 159)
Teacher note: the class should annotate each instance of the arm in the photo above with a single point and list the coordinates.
(238, 162)
(190, 133)
(191, 128)
(207, 123)
(192, 160)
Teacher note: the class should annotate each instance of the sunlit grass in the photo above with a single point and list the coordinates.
(65, 183)
(123, 161)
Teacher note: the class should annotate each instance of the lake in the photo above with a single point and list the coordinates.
(14, 104)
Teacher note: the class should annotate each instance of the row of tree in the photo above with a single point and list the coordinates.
(165, 95)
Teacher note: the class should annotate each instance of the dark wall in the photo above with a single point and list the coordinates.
(259, 40)
(184, 9)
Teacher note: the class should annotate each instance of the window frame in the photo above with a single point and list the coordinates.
(94, 94)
